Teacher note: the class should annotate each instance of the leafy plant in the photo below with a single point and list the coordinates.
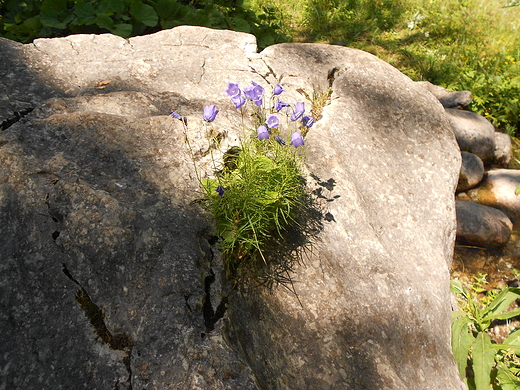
(258, 190)
(481, 361)
(26, 20)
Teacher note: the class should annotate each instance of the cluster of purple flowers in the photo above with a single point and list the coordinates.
(255, 93)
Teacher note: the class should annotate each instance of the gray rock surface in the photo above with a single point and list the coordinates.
(482, 225)
(502, 149)
(96, 187)
(474, 133)
(471, 171)
(449, 99)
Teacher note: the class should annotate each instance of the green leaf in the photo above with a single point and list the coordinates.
(122, 29)
(506, 378)
(483, 360)
(85, 12)
(504, 316)
(461, 341)
(513, 338)
(144, 14)
(111, 7)
(104, 21)
(167, 9)
(263, 163)
(456, 287)
(241, 24)
(54, 13)
(501, 302)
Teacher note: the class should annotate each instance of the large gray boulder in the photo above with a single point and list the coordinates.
(110, 277)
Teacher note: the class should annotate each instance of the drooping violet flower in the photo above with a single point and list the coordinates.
(210, 113)
(296, 139)
(232, 90)
(220, 191)
(299, 109)
(254, 92)
(272, 121)
(174, 115)
(307, 121)
(263, 133)
(279, 105)
(279, 139)
(278, 89)
(238, 101)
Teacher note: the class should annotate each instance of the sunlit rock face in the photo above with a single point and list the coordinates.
(110, 276)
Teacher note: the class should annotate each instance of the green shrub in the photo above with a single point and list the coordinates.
(26, 20)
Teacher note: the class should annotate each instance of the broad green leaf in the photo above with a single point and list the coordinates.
(111, 7)
(54, 13)
(513, 338)
(241, 24)
(461, 341)
(85, 12)
(122, 29)
(104, 21)
(456, 287)
(504, 346)
(502, 301)
(144, 13)
(483, 360)
(504, 316)
(167, 9)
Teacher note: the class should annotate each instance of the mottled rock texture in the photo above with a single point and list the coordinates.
(110, 277)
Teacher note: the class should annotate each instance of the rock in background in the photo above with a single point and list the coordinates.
(110, 278)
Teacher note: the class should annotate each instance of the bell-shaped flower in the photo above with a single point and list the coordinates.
(210, 113)
(238, 100)
(272, 121)
(254, 92)
(296, 139)
(278, 89)
(279, 139)
(279, 105)
(175, 115)
(220, 190)
(299, 109)
(232, 90)
(307, 121)
(263, 133)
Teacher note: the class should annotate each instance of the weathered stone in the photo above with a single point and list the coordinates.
(474, 133)
(385, 248)
(502, 149)
(471, 171)
(96, 185)
(482, 225)
(449, 99)
(498, 190)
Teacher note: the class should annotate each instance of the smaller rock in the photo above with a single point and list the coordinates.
(471, 171)
(498, 190)
(482, 225)
(502, 149)
(449, 99)
(474, 133)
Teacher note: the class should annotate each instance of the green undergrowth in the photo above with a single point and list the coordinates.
(458, 44)
(26, 20)
(484, 363)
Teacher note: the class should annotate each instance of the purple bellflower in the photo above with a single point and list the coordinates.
(254, 92)
(296, 139)
(238, 101)
(263, 133)
(299, 109)
(279, 105)
(307, 121)
(210, 113)
(278, 89)
(272, 121)
(233, 90)
(174, 115)
(220, 191)
(279, 139)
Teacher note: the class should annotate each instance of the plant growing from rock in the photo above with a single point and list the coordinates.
(257, 192)
(481, 361)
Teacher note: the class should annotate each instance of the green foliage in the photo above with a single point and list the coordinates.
(481, 361)
(264, 190)
(26, 20)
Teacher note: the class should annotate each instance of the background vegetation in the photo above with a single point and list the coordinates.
(458, 44)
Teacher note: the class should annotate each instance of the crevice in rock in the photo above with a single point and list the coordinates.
(212, 316)
(117, 342)
(17, 117)
(331, 76)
